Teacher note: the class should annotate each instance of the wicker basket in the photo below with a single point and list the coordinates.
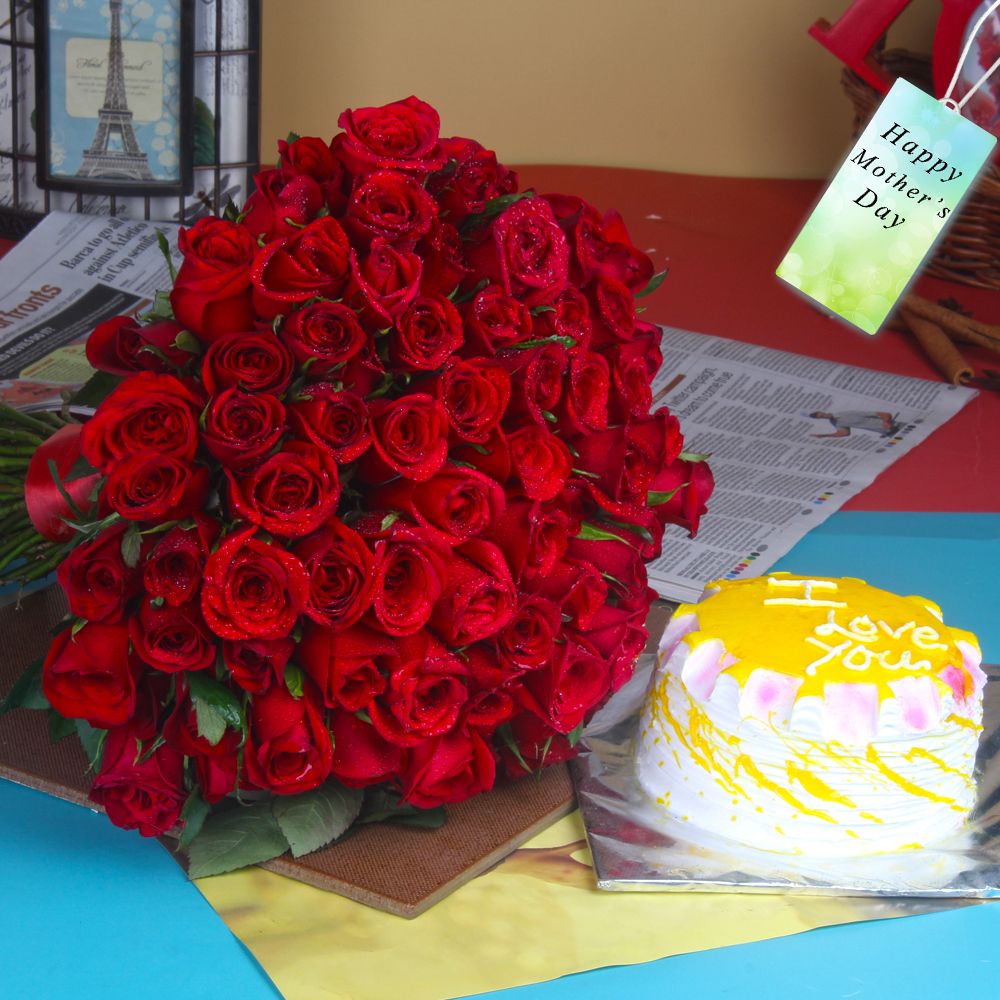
(970, 250)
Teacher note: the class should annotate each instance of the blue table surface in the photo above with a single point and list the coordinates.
(90, 910)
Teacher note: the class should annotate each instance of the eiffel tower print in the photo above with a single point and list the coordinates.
(115, 151)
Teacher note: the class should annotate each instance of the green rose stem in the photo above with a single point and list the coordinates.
(9, 416)
(43, 566)
(29, 540)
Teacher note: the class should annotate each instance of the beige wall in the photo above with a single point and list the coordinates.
(730, 87)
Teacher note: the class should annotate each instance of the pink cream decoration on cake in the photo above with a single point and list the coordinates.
(850, 715)
(769, 696)
(919, 703)
(702, 668)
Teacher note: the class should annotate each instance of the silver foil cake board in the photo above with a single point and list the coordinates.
(636, 846)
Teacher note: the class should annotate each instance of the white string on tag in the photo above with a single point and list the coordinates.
(947, 100)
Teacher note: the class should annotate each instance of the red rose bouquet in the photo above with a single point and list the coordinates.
(368, 502)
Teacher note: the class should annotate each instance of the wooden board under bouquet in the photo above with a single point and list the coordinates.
(393, 868)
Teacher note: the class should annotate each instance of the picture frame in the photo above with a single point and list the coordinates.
(114, 96)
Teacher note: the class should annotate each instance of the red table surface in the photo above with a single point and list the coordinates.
(722, 238)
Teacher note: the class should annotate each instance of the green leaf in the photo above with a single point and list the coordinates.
(651, 285)
(389, 520)
(508, 737)
(194, 813)
(94, 391)
(131, 546)
(591, 533)
(550, 417)
(187, 341)
(502, 202)
(540, 341)
(382, 804)
(310, 821)
(78, 626)
(294, 680)
(27, 690)
(146, 752)
(80, 470)
(235, 838)
(573, 736)
(538, 310)
(215, 707)
(654, 498)
(93, 742)
(59, 726)
(164, 245)
(694, 456)
(292, 137)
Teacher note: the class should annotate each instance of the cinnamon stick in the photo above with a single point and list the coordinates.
(938, 346)
(949, 319)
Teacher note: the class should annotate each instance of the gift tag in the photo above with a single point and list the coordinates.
(886, 206)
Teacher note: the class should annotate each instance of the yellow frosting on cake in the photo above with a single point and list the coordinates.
(825, 630)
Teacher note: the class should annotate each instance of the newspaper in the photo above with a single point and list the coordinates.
(791, 439)
(69, 274)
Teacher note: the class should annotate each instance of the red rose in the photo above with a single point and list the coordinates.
(339, 565)
(478, 599)
(325, 334)
(494, 320)
(360, 755)
(252, 590)
(569, 317)
(475, 394)
(241, 428)
(257, 362)
(537, 377)
(426, 334)
(538, 745)
(563, 691)
(633, 366)
(585, 406)
(402, 135)
(348, 666)
(255, 664)
(450, 769)
(289, 494)
(410, 575)
(578, 588)
(181, 731)
(445, 266)
(691, 484)
(172, 639)
(288, 749)
(619, 635)
(147, 412)
(139, 792)
(279, 205)
(425, 694)
(527, 640)
(392, 206)
(47, 508)
(337, 421)
(316, 159)
(311, 263)
(154, 487)
(122, 346)
(90, 675)
(95, 579)
(613, 312)
(459, 502)
(604, 248)
(533, 535)
(530, 256)
(409, 436)
(477, 178)
(211, 294)
(543, 462)
(216, 776)
(173, 569)
(384, 283)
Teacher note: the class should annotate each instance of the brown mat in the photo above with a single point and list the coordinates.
(393, 868)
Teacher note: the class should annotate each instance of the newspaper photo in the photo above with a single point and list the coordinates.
(69, 274)
(790, 440)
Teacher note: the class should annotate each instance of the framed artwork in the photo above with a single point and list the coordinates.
(113, 95)
(218, 151)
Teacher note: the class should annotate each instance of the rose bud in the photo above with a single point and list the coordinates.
(253, 590)
(256, 362)
(475, 394)
(449, 769)
(280, 205)
(147, 412)
(409, 436)
(348, 666)
(390, 205)
(337, 421)
(326, 334)
(402, 135)
(494, 321)
(256, 664)
(288, 749)
(691, 484)
(384, 283)
(154, 487)
(410, 575)
(477, 179)
(172, 639)
(360, 755)
(569, 317)
(339, 565)
(478, 599)
(311, 263)
(527, 640)
(564, 690)
(316, 159)
(138, 791)
(90, 675)
(241, 428)
(291, 493)
(95, 579)
(426, 334)
(211, 294)
(123, 346)
(173, 569)
(542, 461)
(425, 694)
